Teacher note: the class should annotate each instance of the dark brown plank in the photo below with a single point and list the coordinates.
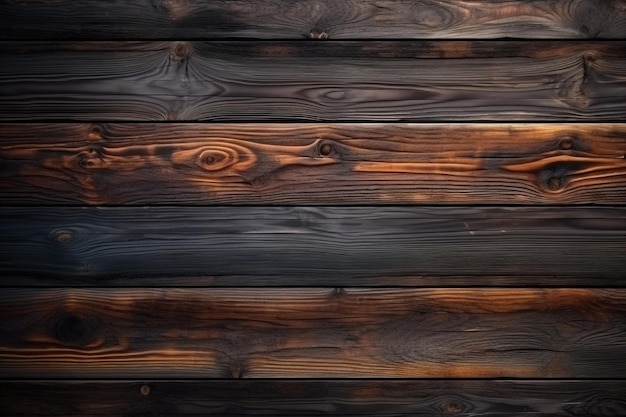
(335, 19)
(340, 81)
(335, 246)
(489, 398)
(312, 164)
(308, 333)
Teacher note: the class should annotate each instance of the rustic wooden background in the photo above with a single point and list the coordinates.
(347, 207)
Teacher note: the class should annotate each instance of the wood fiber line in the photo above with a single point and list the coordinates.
(336, 246)
(499, 398)
(341, 332)
(317, 19)
(337, 81)
(311, 163)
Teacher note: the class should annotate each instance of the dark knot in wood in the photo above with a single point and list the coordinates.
(554, 176)
(95, 133)
(73, 329)
(326, 149)
(555, 183)
(453, 407)
(182, 50)
(566, 143)
(64, 236)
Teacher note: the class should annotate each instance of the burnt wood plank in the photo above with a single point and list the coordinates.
(139, 163)
(317, 19)
(340, 81)
(309, 332)
(489, 398)
(336, 246)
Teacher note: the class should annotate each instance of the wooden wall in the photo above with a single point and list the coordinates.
(348, 207)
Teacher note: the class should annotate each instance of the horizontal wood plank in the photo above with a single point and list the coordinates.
(139, 163)
(496, 398)
(334, 19)
(312, 333)
(336, 246)
(333, 81)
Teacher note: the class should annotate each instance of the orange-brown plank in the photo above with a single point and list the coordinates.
(317, 19)
(138, 163)
(308, 332)
(315, 81)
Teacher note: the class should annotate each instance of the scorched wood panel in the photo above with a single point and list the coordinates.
(314, 81)
(307, 332)
(312, 19)
(174, 163)
(333, 246)
(297, 397)
(370, 189)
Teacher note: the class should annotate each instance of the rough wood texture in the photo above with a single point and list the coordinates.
(178, 246)
(387, 398)
(311, 164)
(341, 81)
(93, 299)
(334, 19)
(308, 333)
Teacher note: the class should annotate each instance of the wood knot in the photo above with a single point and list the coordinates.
(145, 390)
(64, 236)
(453, 407)
(86, 162)
(182, 50)
(95, 133)
(73, 329)
(566, 143)
(326, 149)
(555, 183)
(554, 176)
(318, 34)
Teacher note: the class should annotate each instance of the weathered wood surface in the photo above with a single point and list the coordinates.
(308, 333)
(340, 81)
(333, 19)
(495, 398)
(336, 246)
(139, 163)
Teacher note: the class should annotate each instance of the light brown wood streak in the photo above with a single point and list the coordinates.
(310, 18)
(341, 81)
(312, 163)
(248, 333)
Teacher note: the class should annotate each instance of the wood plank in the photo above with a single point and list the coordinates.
(312, 333)
(336, 19)
(489, 398)
(333, 246)
(139, 163)
(335, 81)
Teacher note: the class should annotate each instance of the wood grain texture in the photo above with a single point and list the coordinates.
(336, 246)
(139, 163)
(337, 19)
(309, 333)
(496, 398)
(332, 81)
